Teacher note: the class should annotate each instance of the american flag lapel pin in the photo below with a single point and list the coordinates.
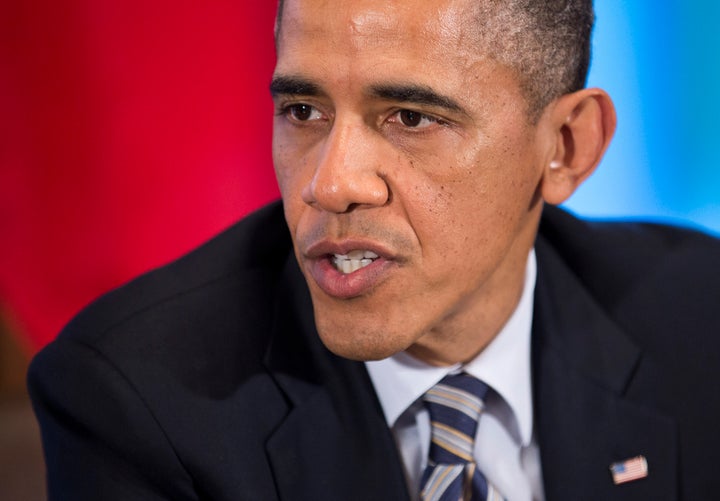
(629, 470)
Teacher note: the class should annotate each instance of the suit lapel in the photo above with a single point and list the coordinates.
(333, 443)
(584, 369)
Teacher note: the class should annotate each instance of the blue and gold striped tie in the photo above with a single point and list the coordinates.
(455, 405)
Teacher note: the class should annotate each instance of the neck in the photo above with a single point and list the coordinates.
(462, 336)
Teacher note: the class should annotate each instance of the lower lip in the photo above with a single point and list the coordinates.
(346, 286)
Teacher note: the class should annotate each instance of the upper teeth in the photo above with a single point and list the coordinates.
(353, 260)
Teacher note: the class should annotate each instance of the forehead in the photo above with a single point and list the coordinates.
(362, 18)
(351, 44)
(436, 30)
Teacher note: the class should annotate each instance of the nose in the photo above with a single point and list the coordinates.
(348, 173)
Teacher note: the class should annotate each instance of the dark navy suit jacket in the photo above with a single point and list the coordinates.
(205, 379)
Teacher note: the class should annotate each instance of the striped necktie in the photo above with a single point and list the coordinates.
(455, 405)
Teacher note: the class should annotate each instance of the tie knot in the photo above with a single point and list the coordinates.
(454, 404)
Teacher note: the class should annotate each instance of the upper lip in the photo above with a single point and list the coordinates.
(325, 247)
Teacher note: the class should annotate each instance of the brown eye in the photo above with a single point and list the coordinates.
(414, 119)
(410, 118)
(301, 112)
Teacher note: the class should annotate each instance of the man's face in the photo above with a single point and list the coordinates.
(409, 173)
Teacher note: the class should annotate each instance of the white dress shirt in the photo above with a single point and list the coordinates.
(505, 448)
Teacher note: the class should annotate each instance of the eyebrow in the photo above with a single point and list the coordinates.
(416, 94)
(293, 86)
(405, 93)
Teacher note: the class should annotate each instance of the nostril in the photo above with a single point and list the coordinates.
(307, 195)
(389, 195)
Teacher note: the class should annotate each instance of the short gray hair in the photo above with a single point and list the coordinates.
(545, 42)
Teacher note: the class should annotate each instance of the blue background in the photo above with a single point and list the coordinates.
(659, 61)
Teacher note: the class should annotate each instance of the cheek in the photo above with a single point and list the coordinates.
(446, 213)
(291, 199)
(444, 191)
(291, 171)
(471, 204)
(284, 161)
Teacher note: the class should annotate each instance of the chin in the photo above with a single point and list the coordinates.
(361, 345)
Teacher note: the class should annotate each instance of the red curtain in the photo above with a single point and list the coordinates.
(130, 132)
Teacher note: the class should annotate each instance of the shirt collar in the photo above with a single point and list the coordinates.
(504, 365)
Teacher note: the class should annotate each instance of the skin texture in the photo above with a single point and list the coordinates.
(394, 133)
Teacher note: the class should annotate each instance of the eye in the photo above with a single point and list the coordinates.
(414, 119)
(302, 112)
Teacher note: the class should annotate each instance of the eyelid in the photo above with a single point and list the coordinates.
(285, 101)
(433, 119)
(284, 108)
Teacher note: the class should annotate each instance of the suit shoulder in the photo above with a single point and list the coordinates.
(561, 226)
(636, 263)
(629, 248)
(247, 256)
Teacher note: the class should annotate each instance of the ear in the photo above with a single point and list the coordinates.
(581, 125)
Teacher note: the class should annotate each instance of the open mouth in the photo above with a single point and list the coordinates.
(353, 260)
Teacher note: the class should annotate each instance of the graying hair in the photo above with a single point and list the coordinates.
(545, 42)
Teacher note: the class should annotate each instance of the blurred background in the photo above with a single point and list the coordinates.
(659, 61)
(132, 131)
